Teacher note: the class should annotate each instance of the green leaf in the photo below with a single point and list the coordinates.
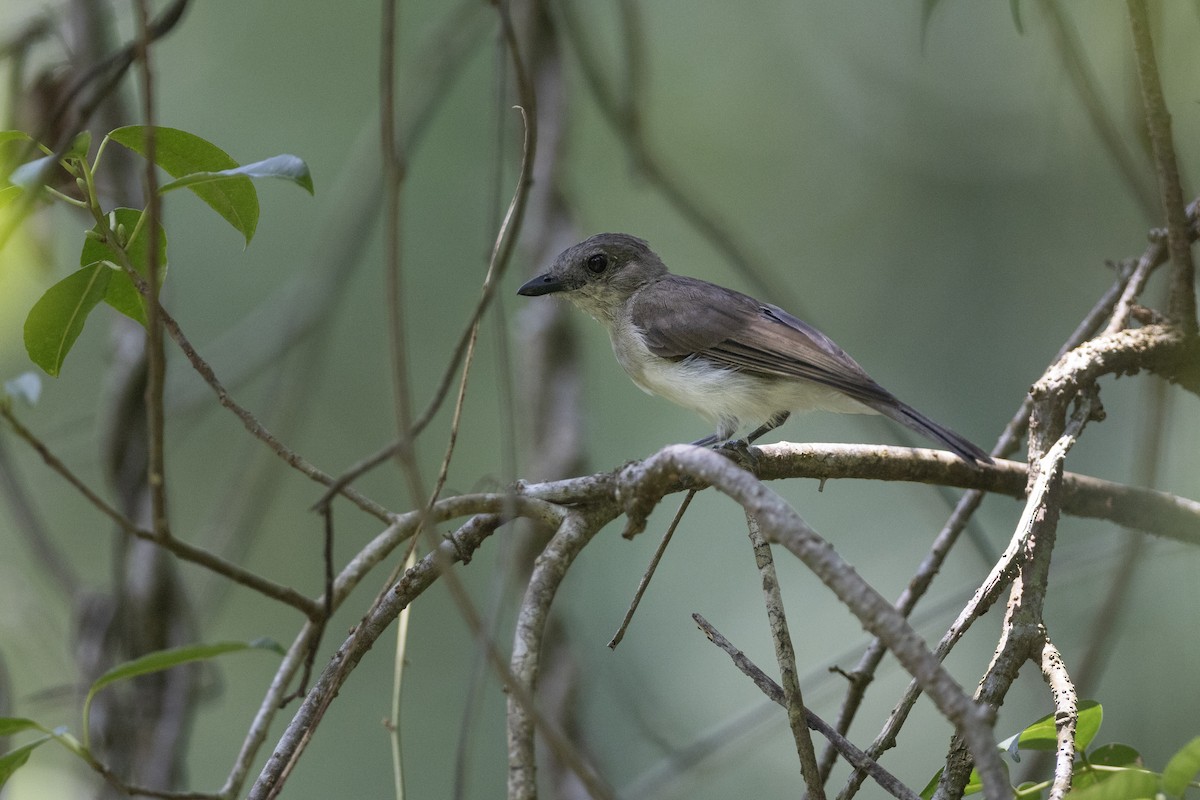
(56, 319)
(1091, 714)
(8, 194)
(1182, 768)
(11, 136)
(33, 174)
(1115, 755)
(1130, 784)
(288, 167)
(974, 785)
(1042, 734)
(166, 659)
(13, 725)
(121, 293)
(181, 153)
(13, 760)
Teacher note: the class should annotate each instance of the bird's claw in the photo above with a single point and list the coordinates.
(740, 452)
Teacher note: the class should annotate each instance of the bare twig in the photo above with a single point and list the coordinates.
(393, 178)
(649, 573)
(48, 554)
(156, 364)
(576, 531)
(1182, 298)
(180, 548)
(864, 671)
(857, 758)
(298, 733)
(1023, 633)
(1066, 716)
(647, 481)
(256, 428)
(1079, 71)
(1154, 256)
(1159, 513)
(623, 114)
(785, 655)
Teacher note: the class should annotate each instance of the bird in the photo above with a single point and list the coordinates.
(730, 358)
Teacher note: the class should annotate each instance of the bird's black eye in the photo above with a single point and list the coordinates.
(597, 263)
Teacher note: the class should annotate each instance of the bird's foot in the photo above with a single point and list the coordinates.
(741, 452)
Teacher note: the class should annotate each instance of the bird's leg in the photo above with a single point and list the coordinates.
(726, 427)
(768, 426)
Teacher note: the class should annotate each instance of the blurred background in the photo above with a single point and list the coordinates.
(924, 182)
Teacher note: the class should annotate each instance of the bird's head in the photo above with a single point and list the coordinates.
(599, 274)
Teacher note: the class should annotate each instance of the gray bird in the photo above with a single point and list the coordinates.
(732, 359)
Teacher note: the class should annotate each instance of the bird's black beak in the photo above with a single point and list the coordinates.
(542, 284)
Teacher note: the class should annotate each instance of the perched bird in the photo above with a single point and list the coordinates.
(732, 359)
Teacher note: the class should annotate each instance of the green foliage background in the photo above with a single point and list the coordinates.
(935, 200)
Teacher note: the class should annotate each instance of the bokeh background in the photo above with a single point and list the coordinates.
(924, 183)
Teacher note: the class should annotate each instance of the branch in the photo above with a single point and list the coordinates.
(644, 483)
(1182, 299)
(1159, 513)
(624, 116)
(551, 567)
(855, 757)
(1066, 716)
(1024, 626)
(785, 654)
(304, 723)
(1079, 71)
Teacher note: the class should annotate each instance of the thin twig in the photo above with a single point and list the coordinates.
(785, 655)
(855, 757)
(256, 428)
(623, 115)
(1154, 256)
(649, 573)
(156, 364)
(1083, 79)
(864, 671)
(1051, 436)
(524, 719)
(49, 555)
(645, 483)
(186, 551)
(1181, 300)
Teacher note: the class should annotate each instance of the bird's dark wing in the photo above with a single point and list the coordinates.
(682, 317)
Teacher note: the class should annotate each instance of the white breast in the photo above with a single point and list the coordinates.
(726, 397)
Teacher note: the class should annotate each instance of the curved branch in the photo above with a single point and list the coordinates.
(648, 481)
(304, 723)
(548, 572)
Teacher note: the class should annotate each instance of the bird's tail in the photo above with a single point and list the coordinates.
(911, 418)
